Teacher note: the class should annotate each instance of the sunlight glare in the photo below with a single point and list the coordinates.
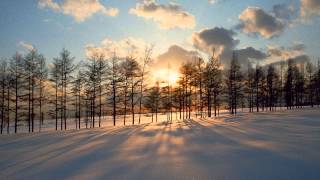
(163, 75)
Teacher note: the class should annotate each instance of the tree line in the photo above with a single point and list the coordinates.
(65, 93)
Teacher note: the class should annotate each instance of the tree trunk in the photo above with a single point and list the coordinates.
(56, 103)
(16, 109)
(132, 103)
(8, 107)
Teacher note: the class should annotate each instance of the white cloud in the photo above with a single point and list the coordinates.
(166, 16)
(48, 4)
(215, 1)
(26, 46)
(126, 47)
(80, 10)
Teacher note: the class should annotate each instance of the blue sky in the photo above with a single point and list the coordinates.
(50, 31)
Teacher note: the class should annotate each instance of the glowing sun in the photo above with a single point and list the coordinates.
(166, 76)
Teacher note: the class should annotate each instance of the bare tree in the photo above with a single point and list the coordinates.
(213, 84)
(200, 65)
(42, 77)
(145, 62)
(289, 86)
(153, 100)
(272, 85)
(310, 87)
(250, 87)
(3, 76)
(102, 68)
(234, 83)
(16, 70)
(32, 63)
(56, 80)
(66, 69)
(186, 71)
(114, 77)
(77, 91)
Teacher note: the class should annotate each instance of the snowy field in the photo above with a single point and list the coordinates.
(281, 145)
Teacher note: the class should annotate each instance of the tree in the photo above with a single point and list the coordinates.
(42, 75)
(250, 86)
(133, 69)
(260, 88)
(9, 83)
(115, 78)
(289, 86)
(272, 84)
(3, 76)
(91, 83)
(77, 89)
(153, 99)
(94, 79)
(66, 69)
(56, 80)
(310, 86)
(234, 83)
(102, 67)
(213, 84)
(317, 84)
(125, 72)
(199, 82)
(186, 71)
(33, 61)
(145, 62)
(281, 88)
(16, 71)
(299, 86)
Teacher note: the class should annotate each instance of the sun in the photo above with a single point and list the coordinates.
(166, 76)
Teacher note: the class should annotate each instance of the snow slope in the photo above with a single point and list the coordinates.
(280, 145)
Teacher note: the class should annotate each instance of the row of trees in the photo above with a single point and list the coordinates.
(32, 91)
(86, 93)
(257, 88)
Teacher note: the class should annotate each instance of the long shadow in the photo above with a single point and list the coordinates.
(37, 158)
(113, 154)
(239, 157)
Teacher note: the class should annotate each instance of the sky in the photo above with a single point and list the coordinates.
(259, 31)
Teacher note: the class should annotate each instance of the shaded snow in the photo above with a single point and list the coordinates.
(280, 145)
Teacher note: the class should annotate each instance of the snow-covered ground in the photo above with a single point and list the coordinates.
(280, 145)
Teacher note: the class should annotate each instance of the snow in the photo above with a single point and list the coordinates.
(277, 145)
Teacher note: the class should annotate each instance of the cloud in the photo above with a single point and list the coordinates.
(42, 4)
(215, 1)
(26, 46)
(219, 39)
(284, 12)
(224, 43)
(175, 56)
(310, 8)
(126, 47)
(255, 20)
(278, 54)
(298, 46)
(165, 16)
(80, 10)
(249, 55)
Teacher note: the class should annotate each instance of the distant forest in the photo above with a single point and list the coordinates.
(32, 91)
